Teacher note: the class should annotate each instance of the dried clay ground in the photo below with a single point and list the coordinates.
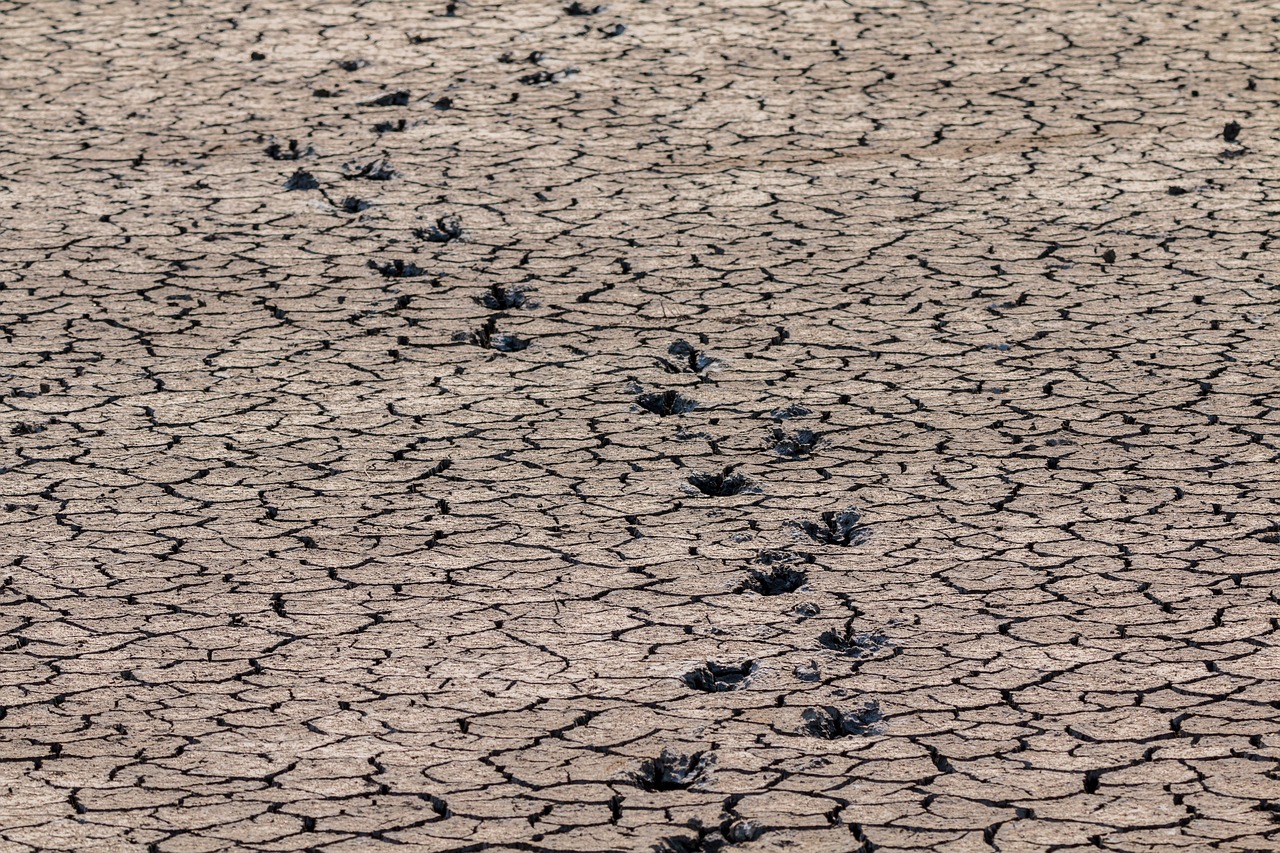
(687, 425)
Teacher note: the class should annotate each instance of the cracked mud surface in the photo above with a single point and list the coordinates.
(676, 425)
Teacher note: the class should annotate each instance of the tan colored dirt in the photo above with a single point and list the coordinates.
(372, 514)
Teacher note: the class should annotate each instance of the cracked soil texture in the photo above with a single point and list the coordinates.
(686, 425)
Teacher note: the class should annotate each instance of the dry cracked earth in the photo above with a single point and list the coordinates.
(686, 425)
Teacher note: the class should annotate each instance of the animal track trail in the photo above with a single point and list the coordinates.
(398, 572)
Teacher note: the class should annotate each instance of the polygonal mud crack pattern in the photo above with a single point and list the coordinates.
(304, 553)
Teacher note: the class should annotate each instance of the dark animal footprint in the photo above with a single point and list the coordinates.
(705, 840)
(832, 723)
(535, 57)
(26, 429)
(398, 269)
(1177, 191)
(501, 298)
(446, 230)
(378, 170)
(1231, 131)
(578, 10)
(546, 78)
(1109, 256)
(769, 557)
(352, 64)
(838, 528)
(614, 31)
(391, 99)
(777, 580)
(487, 337)
(665, 403)
(722, 485)
(855, 644)
(292, 152)
(715, 677)
(795, 410)
(795, 446)
(325, 93)
(671, 772)
(351, 204)
(692, 361)
(301, 180)
(702, 840)
(811, 671)
(443, 104)
(398, 126)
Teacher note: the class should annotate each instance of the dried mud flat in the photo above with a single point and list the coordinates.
(690, 426)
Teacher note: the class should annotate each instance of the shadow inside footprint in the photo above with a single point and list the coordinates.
(691, 360)
(838, 528)
(722, 485)
(714, 677)
(801, 443)
(665, 403)
(703, 839)
(377, 170)
(446, 230)
(292, 152)
(301, 180)
(501, 298)
(398, 269)
(671, 772)
(855, 644)
(795, 410)
(778, 580)
(488, 337)
(831, 723)
(391, 99)
(546, 78)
